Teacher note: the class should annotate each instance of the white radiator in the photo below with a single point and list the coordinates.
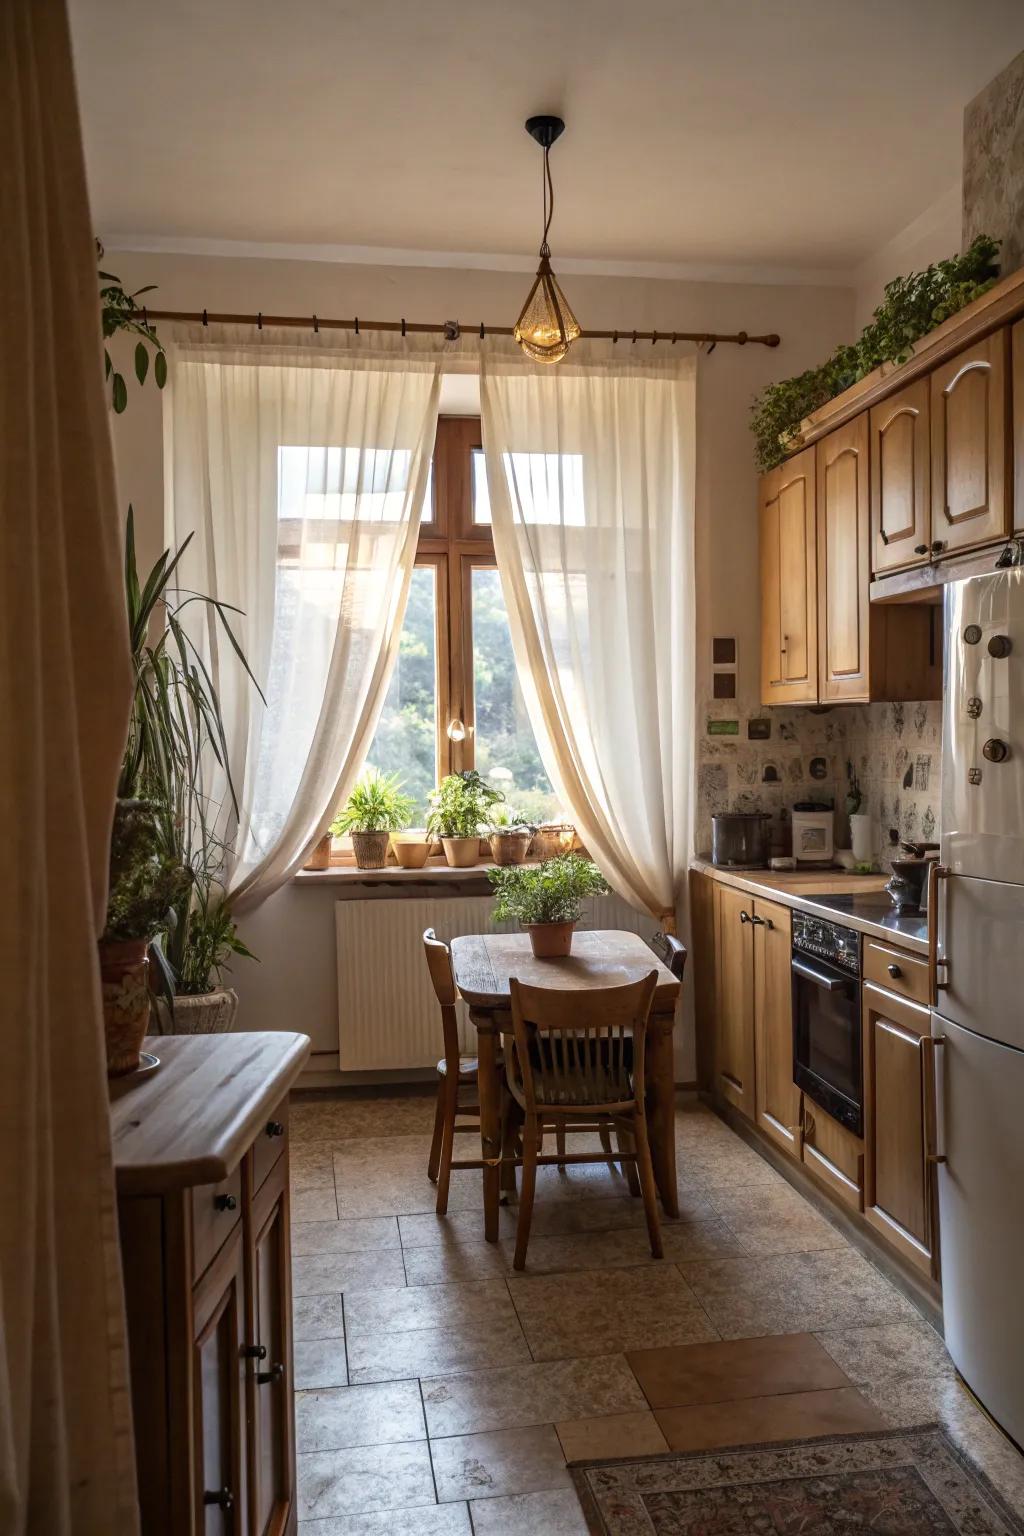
(388, 1016)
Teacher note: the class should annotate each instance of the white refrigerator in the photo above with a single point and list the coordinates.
(979, 1016)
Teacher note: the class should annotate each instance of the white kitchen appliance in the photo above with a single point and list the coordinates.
(979, 1017)
(813, 828)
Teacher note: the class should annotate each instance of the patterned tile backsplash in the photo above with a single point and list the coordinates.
(894, 750)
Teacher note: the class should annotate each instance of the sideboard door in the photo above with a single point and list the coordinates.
(270, 1381)
(218, 1395)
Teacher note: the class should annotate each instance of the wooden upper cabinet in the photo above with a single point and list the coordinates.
(777, 1096)
(970, 446)
(1018, 426)
(789, 598)
(734, 994)
(844, 649)
(900, 469)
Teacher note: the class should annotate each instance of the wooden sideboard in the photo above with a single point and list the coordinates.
(201, 1158)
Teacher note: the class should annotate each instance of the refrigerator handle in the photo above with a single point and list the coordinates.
(934, 1119)
(936, 873)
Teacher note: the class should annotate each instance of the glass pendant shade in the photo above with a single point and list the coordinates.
(547, 327)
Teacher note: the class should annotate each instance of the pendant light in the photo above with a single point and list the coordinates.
(546, 327)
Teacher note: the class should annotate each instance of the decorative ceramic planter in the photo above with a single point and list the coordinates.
(320, 858)
(550, 941)
(510, 845)
(551, 841)
(205, 1013)
(461, 852)
(411, 849)
(124, 972)
(371, 849)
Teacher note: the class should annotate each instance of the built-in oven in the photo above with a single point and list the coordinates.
(827, 1049)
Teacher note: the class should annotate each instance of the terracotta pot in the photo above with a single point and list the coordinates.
(371, 849)
(124, 972)
(205, 1013)
(511, 846)
(320, 858)
(461, 852)
(550, 941)
(550, 841)
(411, 852)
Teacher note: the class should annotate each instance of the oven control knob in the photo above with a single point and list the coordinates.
(972, 634)
(1000, 646)
(995, 751)
(973, 707)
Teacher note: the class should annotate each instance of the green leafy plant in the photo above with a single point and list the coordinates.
(119, 311)
(461, 804)
(912, 306)
(376, 804)
(854, 797)
(175, 717)
(145, 882)
(552, 892)
(212, 940)
(504, 818)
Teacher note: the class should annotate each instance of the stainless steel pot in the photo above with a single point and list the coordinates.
(740, 839)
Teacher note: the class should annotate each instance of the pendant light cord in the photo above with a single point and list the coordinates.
(548, 196)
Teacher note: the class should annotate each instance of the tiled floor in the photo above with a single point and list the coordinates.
(439, 1394)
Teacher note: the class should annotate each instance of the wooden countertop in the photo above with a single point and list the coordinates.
(803, 888)
(192, 1119)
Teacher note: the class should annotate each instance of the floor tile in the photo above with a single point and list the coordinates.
(708, 1426)
(364, 1479)
(348, 1117)
(385, 1356)
(888, 1352)
(318, 1317)
(316, 1273)
(398, 1310)
(456, 1263)
(320, 1363)
(428, 1230)
(710, 1373)
(341, 1417)
(356, 1235)
(502, 1461)
(311, 1167)
(795, 1293)
(619, 1434)
(529, 1514)
(430, 1520)
(624, 1248)
(314, 1204)
(574, 1315)
(775, 1221)
(519, 1395)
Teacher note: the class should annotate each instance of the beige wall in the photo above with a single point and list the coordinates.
(932, 236)
(811, 321)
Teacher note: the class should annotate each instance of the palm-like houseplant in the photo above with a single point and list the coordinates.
(460, 806)
(375, 808)
(546, 899)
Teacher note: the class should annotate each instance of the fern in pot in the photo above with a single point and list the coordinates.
(461, 805)
(375, 808)
(510, 836)
(546, 899)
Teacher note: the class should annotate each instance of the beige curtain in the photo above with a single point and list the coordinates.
(590, 467)
(66, 1452)
(299, 465)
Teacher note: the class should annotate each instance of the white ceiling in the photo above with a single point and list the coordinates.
(768, 133)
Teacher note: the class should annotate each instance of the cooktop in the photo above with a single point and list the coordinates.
(876, 907)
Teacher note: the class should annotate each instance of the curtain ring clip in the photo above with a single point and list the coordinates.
(316, 326)
(259, 321)
(615, 337)
(483, 333)
(709, 347)
(634, 338)
(673, 338)
(403, 325)
(742, 338)
(356, 324)
(654, 337)
(205, 320)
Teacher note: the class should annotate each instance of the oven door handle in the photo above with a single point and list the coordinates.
(820, 978)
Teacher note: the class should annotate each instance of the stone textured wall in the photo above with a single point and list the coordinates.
(894, 749)
(993, 191)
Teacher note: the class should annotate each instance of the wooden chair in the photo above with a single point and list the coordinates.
(671, 952)
(580, 1057)
(454, 1071)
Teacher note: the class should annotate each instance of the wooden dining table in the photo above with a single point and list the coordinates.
(485, 963)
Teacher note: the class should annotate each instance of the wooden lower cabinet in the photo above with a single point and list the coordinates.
(218, 1389)
(270, 1383)
(734, 999)
(899, 1111)
(834, 1155)
(777, 1098)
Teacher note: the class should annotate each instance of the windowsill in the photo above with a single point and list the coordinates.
(434, 872)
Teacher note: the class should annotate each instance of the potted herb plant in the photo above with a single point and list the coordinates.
(145, 883)
(460, 806)
(547, 899)
(203, 1005)
(510, 836)
(375, 808)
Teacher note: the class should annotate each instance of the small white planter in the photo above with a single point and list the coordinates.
(206, 1013)
(861, 839)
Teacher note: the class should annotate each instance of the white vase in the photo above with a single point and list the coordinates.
(205, 1013)
(861, 839)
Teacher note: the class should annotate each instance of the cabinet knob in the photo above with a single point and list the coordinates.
(894, 970)
(995, 751)
(274, 1374)
(920, 549)
(768, 922)
(224, 1202)
(274, 1128)
(223, 1497)
(1000, 646)
(745, 917)
(938, 545)
(253, 1351)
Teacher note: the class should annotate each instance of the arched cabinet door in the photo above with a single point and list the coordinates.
(970, 447)
(900, 473)
(789, 618)
(844, 649)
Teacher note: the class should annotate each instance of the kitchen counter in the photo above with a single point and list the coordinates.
(856, 901)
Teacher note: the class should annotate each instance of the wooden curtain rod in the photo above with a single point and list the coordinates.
(451, 330)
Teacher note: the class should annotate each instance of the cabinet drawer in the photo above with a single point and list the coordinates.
(834, 1154)
(896, 971)
(269, 1144)
(216, 1212)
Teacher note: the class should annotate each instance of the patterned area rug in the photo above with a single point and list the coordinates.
(905, 1482)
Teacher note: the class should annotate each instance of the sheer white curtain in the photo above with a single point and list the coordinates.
(67, 1463)
(300, 467)
(590, 467)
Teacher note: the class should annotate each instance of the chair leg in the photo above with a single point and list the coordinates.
(451, 1104)
(645, 1169)
(508, 1149)
(434, 1160)
(560, 1143)
(625, 1143)
(605, 1134)
(526, 1191)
